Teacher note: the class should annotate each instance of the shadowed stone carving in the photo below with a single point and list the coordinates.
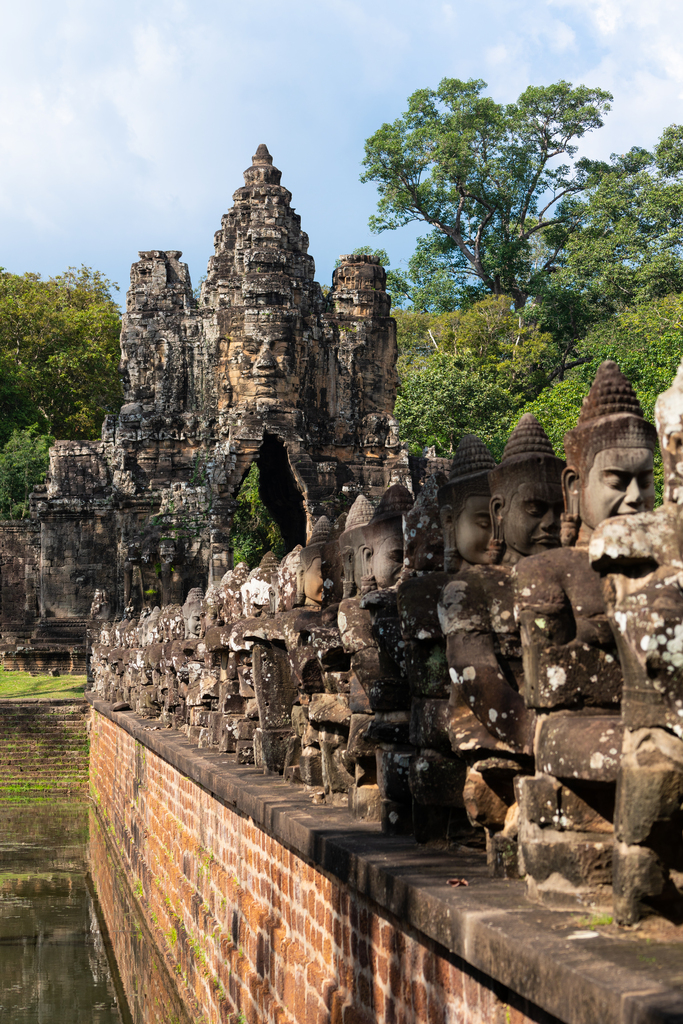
(641, 561)
(571, 668)
(483, 643)
(464, 504)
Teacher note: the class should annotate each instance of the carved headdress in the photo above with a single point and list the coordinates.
(396, 500)
(469, 473)
(350, 542)
(611, 417)
(528, 453)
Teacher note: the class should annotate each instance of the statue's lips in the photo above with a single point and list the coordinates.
(547, 542)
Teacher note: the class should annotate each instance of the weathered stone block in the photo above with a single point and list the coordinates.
(579, 746)
(436, 780)
(429, 721)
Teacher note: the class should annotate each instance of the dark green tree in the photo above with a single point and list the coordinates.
(23, 464)
(59, 352)
(254, 531)
(488, 178)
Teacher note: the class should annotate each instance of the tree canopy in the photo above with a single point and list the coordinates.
(23, 464)
(485, 177)
(59, 353)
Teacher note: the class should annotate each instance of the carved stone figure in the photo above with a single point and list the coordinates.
(352, 542)
(641, 560)
(383, 549)
(192, 612)
(437, 774)
(483, 643)
(101, 606)
(571, 669)
(310, 575)
(476, 608)
(464, 504)
(422, 533)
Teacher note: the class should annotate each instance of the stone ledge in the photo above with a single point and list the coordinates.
(579, 975)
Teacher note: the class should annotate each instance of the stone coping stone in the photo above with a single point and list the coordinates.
(581, 974)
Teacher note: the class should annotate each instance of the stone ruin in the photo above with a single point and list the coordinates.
(486, 657)
(263, 368)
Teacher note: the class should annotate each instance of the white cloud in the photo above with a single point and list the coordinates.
(128, 126)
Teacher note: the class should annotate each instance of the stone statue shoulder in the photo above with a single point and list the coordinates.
(557, 582)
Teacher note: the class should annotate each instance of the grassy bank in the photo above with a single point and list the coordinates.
(23, 685)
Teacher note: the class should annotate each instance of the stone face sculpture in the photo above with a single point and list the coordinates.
(383, 549)
(464, 504)
(310, 575)
(352, 542)
(571, 669)
(437, 773)
(641, 560)
(192, 612)
(476, 608)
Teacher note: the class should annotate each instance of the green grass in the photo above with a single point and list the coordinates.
(23, 684)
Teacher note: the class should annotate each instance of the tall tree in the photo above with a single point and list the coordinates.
(488, 178)
(59, 352)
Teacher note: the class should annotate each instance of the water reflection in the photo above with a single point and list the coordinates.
(54, 965)
(149, 987)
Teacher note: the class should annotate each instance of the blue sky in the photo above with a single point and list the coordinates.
(127, 126)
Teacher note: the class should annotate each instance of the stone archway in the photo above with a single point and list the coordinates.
(279, 491)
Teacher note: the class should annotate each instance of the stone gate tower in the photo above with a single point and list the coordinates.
(264, 367)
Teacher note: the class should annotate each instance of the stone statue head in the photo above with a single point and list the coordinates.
(310, 573)
(257, 590)
(383, 547)
(351, 544)
(464, 505)
(192, 612)
(526, 495)
(609, 454)
(669, 419)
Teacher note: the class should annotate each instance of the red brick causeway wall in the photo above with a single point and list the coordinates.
(249, 927)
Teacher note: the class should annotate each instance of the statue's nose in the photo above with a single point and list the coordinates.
(266, 360)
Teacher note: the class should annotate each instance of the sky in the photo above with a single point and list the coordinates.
(127, 126)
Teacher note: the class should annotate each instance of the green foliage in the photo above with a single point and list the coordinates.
(59, 352)
(645, 340)
(23, 464)
(467, 372)
(254, 531)
(630, 244)
(486, 176)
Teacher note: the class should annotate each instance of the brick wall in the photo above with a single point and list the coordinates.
(43, 747)
(248, 926)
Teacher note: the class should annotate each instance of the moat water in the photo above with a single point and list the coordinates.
(73, 946)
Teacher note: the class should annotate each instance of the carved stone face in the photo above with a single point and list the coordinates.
(386, 558)
(312, 581)
(260, 365)
(620, 482)
(192, 615)
(472, 529)
(530, 518)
